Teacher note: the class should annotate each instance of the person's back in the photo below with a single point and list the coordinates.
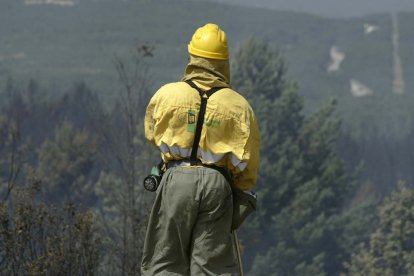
(189, 232)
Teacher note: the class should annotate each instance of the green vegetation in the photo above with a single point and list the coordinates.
(390, 250)
(65, 162)
(37, 239)
(72, 148)
(72, 152)
(303, 185)
(62, 45)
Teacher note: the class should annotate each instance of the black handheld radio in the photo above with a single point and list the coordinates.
(153, 180)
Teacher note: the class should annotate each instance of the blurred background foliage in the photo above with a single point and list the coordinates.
(74, 84)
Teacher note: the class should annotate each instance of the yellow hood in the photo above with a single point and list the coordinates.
(208, 72)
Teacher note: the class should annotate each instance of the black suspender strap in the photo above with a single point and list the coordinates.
(204, 95)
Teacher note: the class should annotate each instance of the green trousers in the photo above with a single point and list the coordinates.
(189, 229)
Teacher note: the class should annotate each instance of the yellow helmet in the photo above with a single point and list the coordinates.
(209, 41)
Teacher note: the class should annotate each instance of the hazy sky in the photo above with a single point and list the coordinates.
(331, 8)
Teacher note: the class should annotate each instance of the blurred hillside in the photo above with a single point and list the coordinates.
(329, 8)
(351, 60)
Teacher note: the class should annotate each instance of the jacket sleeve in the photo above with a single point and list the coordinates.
(246, 180)
(149, 121)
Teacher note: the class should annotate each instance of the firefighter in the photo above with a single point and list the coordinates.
(209, 142)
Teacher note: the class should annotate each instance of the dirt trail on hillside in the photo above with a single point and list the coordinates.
(398, 83)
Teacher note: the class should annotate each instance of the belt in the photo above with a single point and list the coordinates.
(184, 163)
(187, 163)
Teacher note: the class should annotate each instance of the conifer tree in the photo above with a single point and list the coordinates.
(390, 250)
(64, 165)
(302, 185)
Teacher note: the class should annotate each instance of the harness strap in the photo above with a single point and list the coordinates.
(204, 96)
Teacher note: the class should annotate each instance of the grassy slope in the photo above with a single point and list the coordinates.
(61, 45)
(66, 44)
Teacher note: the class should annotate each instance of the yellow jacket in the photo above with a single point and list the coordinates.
(230, 136)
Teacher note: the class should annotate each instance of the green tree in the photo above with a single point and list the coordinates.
(390, 250)
(123, 203)
(13, 155)
(302, 185)
(64, 164)
(36, 238)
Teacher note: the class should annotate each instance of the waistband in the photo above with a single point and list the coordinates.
(184, 163)
(187, 163)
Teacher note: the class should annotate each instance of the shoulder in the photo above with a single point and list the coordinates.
(173, 95)
(230, 102)
(172, 87)
(232, 98)
(171, 90)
